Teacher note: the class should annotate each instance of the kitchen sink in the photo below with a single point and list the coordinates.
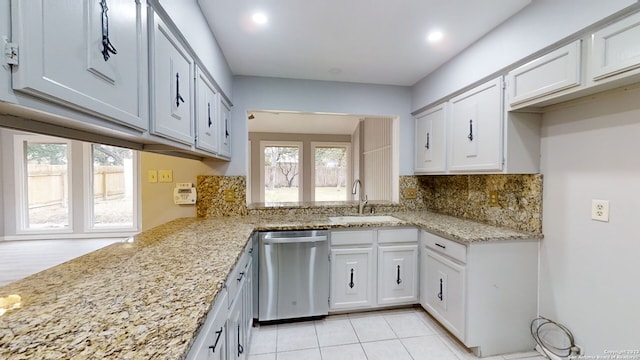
(363, 219)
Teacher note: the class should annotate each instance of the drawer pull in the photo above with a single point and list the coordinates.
(241, 275)
(440, 293)
(351, 283)
(398, 280)
(441, 246)
(213, 347)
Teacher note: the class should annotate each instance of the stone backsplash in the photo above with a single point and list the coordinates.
(467, 196)
(221, 196)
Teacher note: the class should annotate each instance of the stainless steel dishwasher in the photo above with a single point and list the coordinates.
(294, 274)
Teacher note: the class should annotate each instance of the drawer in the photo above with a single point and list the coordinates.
(386, 236)
(236, 276)
(445, 246)
(359, 237)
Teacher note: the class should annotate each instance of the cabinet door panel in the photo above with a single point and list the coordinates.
(173, 86)
(63, 58)
(207, 115)
(476, 135)
(430, 144)
(445, 293)
(616, 48)
(352, 273)
(225, 128)
(397, 274)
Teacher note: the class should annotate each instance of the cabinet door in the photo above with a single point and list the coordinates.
(63, 57)
(616, 48)
(555, 71)
(397, 274)
(445, 292)
(207, 115)
(235, 332)
(247, 303)
(430, 143)
(172, 84)
(476, 133)
(225, 128)
(210, 343)
(352, 278)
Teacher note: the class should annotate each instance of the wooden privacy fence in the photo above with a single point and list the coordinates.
(47, 184)
(325, 177)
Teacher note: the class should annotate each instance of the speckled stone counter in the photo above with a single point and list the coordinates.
(146, 299)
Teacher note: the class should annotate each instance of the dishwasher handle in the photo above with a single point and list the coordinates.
(289, 240)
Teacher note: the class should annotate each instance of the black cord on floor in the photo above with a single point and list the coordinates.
(538, 324)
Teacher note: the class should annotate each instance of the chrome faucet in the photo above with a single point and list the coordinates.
(361, 202)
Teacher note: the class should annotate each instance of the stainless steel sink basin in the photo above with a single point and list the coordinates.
(363, 219)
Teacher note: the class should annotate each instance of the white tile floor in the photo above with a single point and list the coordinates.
(402, 334)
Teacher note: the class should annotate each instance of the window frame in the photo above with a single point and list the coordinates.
(22, 187)
(79, 167)
(88, 214)
(329, 144)
(277, 143)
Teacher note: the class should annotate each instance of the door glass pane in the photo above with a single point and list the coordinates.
(330, 174)
(113, 204)
(281, 174)
(47, 186)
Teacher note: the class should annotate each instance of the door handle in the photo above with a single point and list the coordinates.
(209, 114)
(440, 293)
(427, 144)
(107, 46)
(398, 280)
(470, 136)
(351, 283)
(178, 96)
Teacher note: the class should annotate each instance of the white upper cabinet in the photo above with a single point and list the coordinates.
(89, 55)
(207, 115)
(225, 128)
(616, 48)
(555, 71)
(172, 85)
(430, 145)
(476, 129)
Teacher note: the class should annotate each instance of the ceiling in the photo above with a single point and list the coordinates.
(362, 41)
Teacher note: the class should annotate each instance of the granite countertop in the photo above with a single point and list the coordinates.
(147, 298)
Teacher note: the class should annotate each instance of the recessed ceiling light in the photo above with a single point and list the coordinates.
(435, 36)
(259, 18)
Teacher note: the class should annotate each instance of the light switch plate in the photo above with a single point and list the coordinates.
(229, 195)
(410, 193)
(152, 176)
(600, 210)
(165, 175)
(493, 198)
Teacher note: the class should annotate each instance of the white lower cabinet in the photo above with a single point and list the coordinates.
(227, 330)
(352, 278)
(398, 274)
(373, 268)
(444, 292)
(485, 293)
(211, 342)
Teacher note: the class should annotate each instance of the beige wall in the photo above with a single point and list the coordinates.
(157, 198)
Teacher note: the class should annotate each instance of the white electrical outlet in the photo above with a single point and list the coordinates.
(600, 210)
